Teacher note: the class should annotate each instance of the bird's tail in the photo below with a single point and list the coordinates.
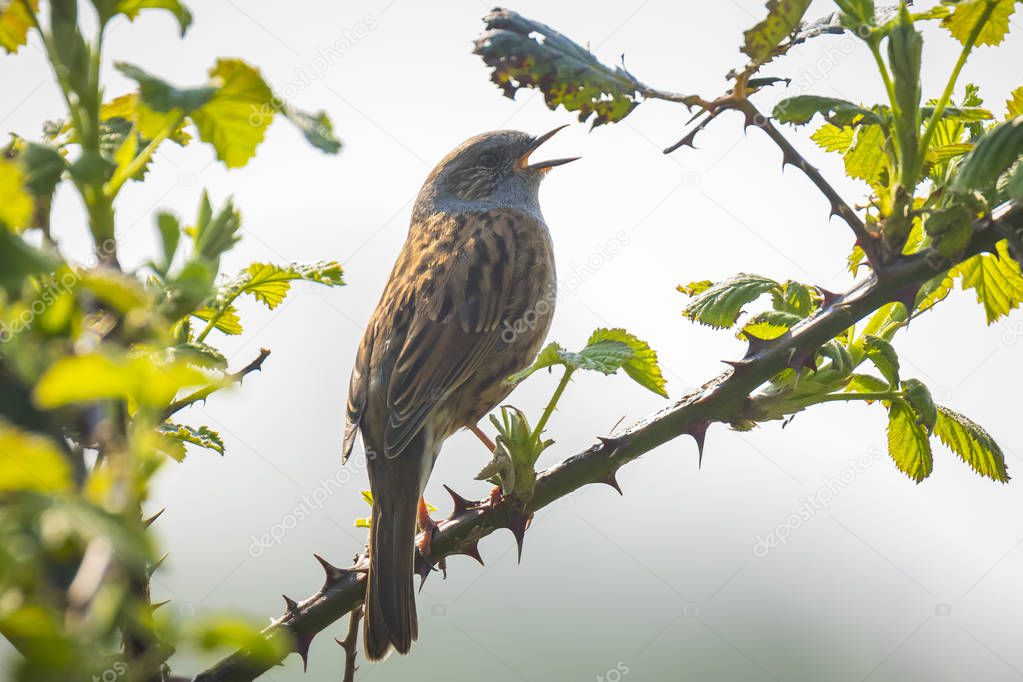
(390, 601)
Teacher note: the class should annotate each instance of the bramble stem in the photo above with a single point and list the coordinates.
(722, 399)
(846, 397)
(939, 108)
(549, 410)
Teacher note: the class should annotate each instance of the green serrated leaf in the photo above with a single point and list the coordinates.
(994, 154)
(966, 113)
(1014, 186)
(131, 9)
(229, 322)
(640, 364)
(950, 229)
(800, 109)
(769, 324)
(833, 138)
(908, 444)
(884, 357)
(606, 357)
(866, 383)
(31, 462)
(783, 19)
(235, 118)
(1014, 105)
(161, 96)
(200, 355)
(856, 14)
(933, 292)
(203, 436)
(794, 297)
(719, 305)
(996, 280)
(919, 398)
(16, 204)
(968, 12)
(866, 159)
(316, 128)
(972, 443)
(215, 234)
(170, 235)
(15, 21)
(142, 379)
(944, 152)
(43, 167)
(131, 111)
(121, 292)
(269, 284)
(19, 260)
(527, 54)
(548, 357)
(695, 288)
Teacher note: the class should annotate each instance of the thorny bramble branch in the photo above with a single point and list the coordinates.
(203, 393)
(722, 399)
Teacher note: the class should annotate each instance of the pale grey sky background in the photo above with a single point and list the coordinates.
(892, 581)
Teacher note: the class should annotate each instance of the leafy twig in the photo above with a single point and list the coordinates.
(720, 400)
(204, 393)
(866, 240)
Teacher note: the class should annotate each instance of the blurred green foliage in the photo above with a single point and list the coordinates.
(96, 359)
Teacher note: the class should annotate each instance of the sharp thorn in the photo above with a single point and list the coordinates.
(473, 550)
(302, 649)
(155, 566)
(698, 430)
(802, 359)
(907, 297)
(736, 364)
(829, 297)
(332, 572)
(612, 480)
(612, 443)
(152, 519)
(756, 345)
(154, 607)
(461, 505)
(423, 568)
(291, 604)
(518, 525)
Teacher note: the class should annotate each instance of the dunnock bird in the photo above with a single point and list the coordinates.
(468, 303)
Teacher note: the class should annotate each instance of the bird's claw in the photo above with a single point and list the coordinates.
(427, 527)
(496, 496)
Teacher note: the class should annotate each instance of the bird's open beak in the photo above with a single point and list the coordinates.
(541, 166)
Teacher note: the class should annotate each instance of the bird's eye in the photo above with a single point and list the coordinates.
(488, 159)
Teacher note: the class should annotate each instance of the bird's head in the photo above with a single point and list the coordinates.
(493, 168)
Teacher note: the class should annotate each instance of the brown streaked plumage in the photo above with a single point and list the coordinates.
(467, 304)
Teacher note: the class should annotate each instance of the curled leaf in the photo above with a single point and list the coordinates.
(525, 53)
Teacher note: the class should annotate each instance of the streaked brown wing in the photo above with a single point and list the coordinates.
(456, 323)
(357, 388)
